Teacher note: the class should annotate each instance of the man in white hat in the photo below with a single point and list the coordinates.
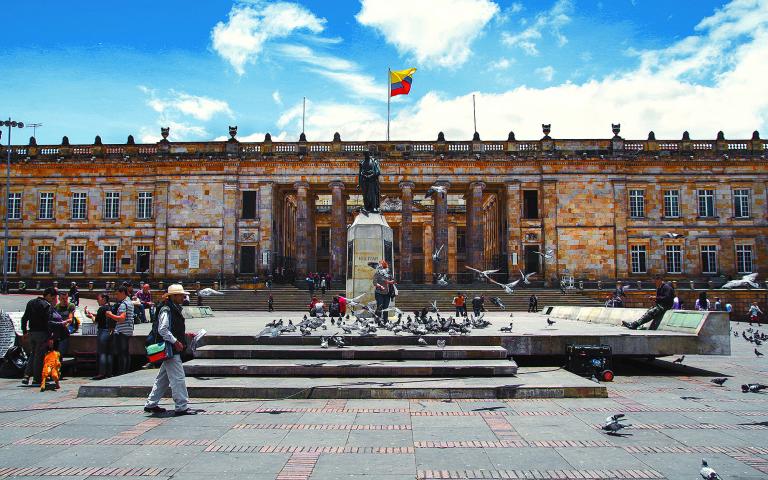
(172, 329)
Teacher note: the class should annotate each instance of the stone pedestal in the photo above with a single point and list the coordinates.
(369, 239)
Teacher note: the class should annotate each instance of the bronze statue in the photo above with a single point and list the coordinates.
(368, 181)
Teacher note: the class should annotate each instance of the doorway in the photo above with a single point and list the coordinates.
(247, 259)
(532, 258)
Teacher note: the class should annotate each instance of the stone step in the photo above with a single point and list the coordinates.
(486, 337)
(348, 368)
(373, 352)
(531, 382)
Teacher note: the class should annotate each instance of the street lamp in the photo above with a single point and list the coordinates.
(10, 124)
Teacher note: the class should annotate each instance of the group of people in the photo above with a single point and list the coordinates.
(459, 303)
(337, 308)
(318, 281)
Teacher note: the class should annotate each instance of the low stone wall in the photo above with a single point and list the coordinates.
(739, 299)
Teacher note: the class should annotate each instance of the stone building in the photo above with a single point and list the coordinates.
(594, 209)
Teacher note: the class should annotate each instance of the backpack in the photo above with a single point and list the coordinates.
(157, 348)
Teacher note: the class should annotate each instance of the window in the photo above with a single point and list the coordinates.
(708, 259)
(744, 258)
(112, 205)
(144, 206)
(674, 259)
(45, 211)
(461, 240)
(530, 204)
(76, 258)
(324, 241)
(671, 203)
(43, 259)
(12, 259)
(741, 203)
(637, 203)
(79, 206)
(109, 260)
(249, 205)
(14, 206)
(142, 258)
(638, 254)
(706, 203)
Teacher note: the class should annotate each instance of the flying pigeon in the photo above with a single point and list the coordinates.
(746, 280)
(206, 292)
(484, 273)
(708, 472)
(679, 359)
(436, 255)
(548, 254)
(497, 301)
(719, 381)
(396, 310)
(442, 280)
(526, 277)
(509, 288)
(441, 189)
(753, 387)
(323, 342)
(673, 235)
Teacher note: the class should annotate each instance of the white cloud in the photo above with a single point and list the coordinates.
(277, 98)
(546, 73)
(438, 32)
(338, 70)
(501, 64)
(195, 106)
(179, 132)
(551, 21)
(241, 38)
(323, 119)
(712, 81)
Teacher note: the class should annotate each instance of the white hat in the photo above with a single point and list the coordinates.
(176, 289)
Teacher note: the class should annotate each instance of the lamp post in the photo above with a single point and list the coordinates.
(10, 124)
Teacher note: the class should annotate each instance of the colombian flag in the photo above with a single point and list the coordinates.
(400, 81)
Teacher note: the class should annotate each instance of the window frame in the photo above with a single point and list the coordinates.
(641, 207)
(73, 211)
(668, 209)
(673, 249)
(104, 251)
(702, 195)
(745, 247)
(48, 201)
(746, 204)
(81, 251)
(710, 250)
(114, 198)
(253, 204)
(42, 249)
(13, 205)
(148, 205)
(638, 250)
(15, 263)
(148, 251)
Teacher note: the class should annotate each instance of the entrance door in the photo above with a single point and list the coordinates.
(532, 258)
(248, 259)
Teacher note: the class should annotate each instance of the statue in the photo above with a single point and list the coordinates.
(368, 181)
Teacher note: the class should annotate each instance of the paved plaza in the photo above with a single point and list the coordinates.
(678, 417)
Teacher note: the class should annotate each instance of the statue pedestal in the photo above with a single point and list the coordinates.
(369, 239)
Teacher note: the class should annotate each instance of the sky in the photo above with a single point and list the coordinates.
(117, 68)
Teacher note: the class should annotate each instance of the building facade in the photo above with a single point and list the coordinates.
(594, 209)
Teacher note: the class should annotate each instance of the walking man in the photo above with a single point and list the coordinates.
(34, 326)
(382, 282)
(171, 374)
(665, 297)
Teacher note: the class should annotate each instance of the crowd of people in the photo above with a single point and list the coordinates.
(318, 281)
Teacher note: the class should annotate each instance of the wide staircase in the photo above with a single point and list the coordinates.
(291, 298)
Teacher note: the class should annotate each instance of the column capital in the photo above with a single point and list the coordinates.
(477, 184)
(406, 184)
(442, 183)
(336, 184)
(300, 185)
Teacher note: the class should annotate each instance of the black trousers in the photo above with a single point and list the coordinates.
(122, 354)
(382, 302)
(653, 315)
(104, 352)
(38, 345)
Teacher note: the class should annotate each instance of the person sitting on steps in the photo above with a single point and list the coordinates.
(664, 298)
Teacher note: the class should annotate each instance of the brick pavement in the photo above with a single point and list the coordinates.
(677, 418)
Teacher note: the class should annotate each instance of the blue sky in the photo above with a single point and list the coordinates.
(129, 68)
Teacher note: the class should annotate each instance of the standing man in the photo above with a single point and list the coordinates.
(34, 326)
(145, 299)
(171, 375)
(66, 309)
(103, 336)
(382, 283)
(123, 329)
(664, 298)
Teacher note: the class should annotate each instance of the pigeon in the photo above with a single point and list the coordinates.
(442, 280)
(206, 292)
(719, 381)
(323, 342)
(506, 329)
(497, 301)
(483, 273)
(436, 255)
(441, 344)
(393, 309)
(746, 280)
(422, 342)
(708, 472)
(338, 341)
(673, 235)
(613, 424)
(509, 288)
(679, 359)
(758, 353)
(753, 387)
(526, 277)
(441, 189)
(352, 302)
(547, 255)
(433, 305)
(550, 322)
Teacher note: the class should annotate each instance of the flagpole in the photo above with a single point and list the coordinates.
(474, 114)
(389, 96)
(303, 112)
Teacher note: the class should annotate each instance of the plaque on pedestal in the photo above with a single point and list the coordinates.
(369, 240)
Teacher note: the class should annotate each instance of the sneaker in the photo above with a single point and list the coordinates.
(99, 377)
(155, 409)
(35, 384)
(189, 411)
(630, 325)
(25, 381)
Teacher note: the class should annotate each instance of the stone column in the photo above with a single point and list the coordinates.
(159, 258)
(338, 229)
(229, 238)
(549, 228)
(440, 224)
(406, 241)
(475, 230)
(429, 265)
(302, 229)
(620, 215)
(266, 222)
